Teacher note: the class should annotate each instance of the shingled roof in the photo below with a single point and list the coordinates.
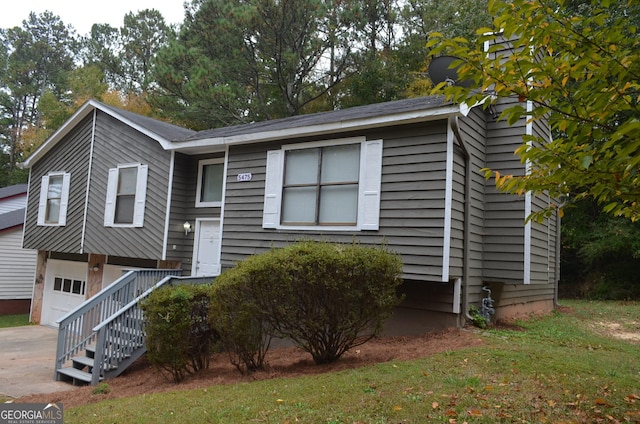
(336, 116)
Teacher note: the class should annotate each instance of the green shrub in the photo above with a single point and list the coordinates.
(327, 298)
(179, 338)
(233, 311)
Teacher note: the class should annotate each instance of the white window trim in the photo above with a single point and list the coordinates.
(201, 165)
(140, 198)
(64, 200)
(368, 186)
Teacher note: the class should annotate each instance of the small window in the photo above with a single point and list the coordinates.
(68, 285)
(126, 194)
(57, 284)
(210, 182)
(54, 197)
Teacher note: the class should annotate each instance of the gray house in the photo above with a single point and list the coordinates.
(113, 191)
(114, 195)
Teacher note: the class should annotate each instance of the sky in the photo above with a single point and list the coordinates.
(82, 14)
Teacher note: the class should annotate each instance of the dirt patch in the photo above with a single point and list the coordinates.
(629, 331)
(142, 378)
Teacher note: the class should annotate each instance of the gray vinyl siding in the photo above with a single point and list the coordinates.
(17, 266)
(411, 206)
(504, 213)
(70, 155)
(183, 201)
(544, 235)
(473, 131)
(116, 143)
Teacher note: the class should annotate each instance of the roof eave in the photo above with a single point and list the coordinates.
(214, 143)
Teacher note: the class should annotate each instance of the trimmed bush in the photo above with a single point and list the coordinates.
(179, 338)
(327, 298)
(234, 312)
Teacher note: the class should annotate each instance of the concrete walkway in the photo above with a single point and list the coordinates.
(27, 361)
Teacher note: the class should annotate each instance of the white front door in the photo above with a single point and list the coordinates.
(65, 285)
(206, 255)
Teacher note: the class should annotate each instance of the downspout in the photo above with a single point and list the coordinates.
(453, 121)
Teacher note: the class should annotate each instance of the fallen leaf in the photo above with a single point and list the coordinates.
(475, 413)
(397, 408)
(451, 413)
(551, 403)
(434, 405)
(601, 402)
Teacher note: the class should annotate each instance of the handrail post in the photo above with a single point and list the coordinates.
(98, 359)
(62, 335)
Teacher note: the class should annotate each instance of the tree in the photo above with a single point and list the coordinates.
(581, 73)
(125, 55)
(249, 61)
(600, 254)
(39, 56)
(141, 37)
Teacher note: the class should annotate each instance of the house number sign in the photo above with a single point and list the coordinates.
(245, 177)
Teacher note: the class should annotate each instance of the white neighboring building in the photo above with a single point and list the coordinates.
(17, 265)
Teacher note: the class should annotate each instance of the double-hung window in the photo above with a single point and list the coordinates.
(54, 198)
(126, 195)
(210, 182)
(334, 185)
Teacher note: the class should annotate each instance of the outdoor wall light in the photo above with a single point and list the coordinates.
(187, 227)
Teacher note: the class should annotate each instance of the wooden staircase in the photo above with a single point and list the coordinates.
(126, 344)
(105, 335)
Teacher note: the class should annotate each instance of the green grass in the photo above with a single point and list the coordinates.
(14, 320)
(558, 369)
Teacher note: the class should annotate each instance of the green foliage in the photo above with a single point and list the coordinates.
(235, 314)
(327, 298)
(101, 389)
(581, 72)
(179, 338)
(600, 254)
(476, 319)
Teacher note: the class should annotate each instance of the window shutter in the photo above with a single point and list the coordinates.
(42, 204)
(141, 195)
(110, 203)
(64, 198)
(370, 185)
(273, 189)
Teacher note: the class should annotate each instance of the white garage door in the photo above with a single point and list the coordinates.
(65, 286)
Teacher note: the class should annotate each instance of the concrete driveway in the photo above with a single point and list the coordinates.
(27, 361)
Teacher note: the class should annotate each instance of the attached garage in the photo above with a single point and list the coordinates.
(65, 288)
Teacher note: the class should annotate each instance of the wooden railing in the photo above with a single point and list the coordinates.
(76, 329)
(120, 339)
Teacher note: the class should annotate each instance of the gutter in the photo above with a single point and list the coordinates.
(453, 122)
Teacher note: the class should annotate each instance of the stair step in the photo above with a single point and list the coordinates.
(76, 375)
(85, 361)
(90, 350)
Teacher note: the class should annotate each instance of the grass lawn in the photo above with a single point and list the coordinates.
(14, 320)
(564, 368)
